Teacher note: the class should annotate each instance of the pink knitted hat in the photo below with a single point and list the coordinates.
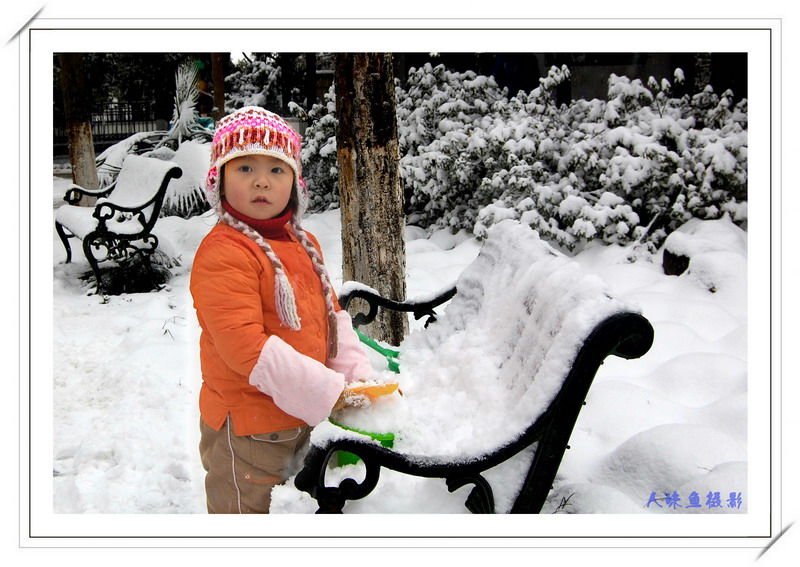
(253, 130)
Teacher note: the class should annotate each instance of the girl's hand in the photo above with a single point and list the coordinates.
(363, 393)
(349, 398)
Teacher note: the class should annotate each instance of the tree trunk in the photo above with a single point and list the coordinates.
(218, 61)
(311, 80)
(370, 192)
(287, 63)
(78, 113)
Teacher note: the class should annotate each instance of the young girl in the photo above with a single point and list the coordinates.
(276, 350)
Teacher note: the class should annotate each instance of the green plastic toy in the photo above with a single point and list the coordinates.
(389, 354)
(346, 458)
(385, 439)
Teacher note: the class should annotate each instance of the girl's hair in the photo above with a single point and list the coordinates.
(284, 294)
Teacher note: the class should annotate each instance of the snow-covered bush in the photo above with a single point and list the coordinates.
(185, 196)
(446, 131)
(254, 83)
(631, 168)
(320, 168)
(185, 118)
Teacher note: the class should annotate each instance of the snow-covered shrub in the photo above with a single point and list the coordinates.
(320, 168)
(254, 83)
(631, 168)
(185, 118)
(448, 140)
(185, 196)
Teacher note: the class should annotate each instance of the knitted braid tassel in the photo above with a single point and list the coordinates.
(327, 287)
(284, 294)
(333, 336)
(284, 300)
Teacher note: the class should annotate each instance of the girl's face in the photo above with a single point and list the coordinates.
(258, 186)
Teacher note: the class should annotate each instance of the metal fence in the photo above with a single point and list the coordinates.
(112, 122)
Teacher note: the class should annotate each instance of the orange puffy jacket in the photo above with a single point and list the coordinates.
(232, 283)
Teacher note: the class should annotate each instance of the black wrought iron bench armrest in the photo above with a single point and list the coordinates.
(419, 308)
(75, 193)
(105, 210)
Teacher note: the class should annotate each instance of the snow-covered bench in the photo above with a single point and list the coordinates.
(119, 226)
(500, 376)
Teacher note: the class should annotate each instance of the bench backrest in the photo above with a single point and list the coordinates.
(139, 182)
(502, 348)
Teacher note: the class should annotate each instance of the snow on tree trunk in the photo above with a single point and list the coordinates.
(371, 196)
(79, 128)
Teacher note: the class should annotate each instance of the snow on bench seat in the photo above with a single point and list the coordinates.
(489, 367)
(137, 184)
(80, 221)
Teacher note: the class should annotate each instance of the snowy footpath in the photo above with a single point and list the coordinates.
(665, 434)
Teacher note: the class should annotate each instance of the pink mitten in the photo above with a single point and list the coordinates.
(352, 360)
(310, 392)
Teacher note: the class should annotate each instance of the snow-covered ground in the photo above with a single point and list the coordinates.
(126, 379)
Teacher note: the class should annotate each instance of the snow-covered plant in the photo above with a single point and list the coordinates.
(627, 169)
(632, 168)
(448, 142)
(320, 168)
(185, 196)
(186, 143)
(254, 83)
(185, 118)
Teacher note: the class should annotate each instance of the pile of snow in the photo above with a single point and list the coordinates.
(715, 254)
(126, 379)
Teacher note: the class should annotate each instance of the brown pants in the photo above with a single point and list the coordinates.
(241, 471)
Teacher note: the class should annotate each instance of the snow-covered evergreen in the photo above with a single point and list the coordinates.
(320, 168)
(254, 83)
(631, 168)
(446, 123)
